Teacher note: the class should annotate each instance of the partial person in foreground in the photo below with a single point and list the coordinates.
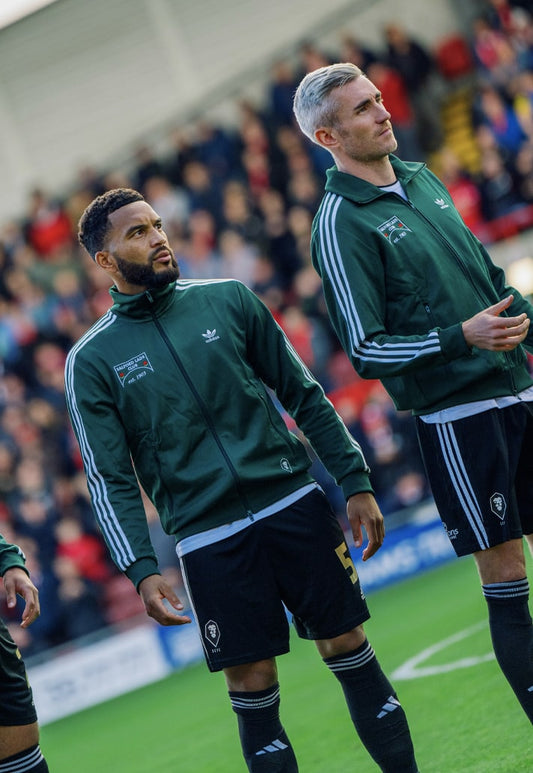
(170, 389)
(417, 302)
(19, 729)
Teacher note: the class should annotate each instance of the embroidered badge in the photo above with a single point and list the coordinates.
(498, 505)
(285, 465)
(212, 633)
(394, 229)
(132, 370)
(441, 203)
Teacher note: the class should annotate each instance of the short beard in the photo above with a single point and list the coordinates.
(145, 276)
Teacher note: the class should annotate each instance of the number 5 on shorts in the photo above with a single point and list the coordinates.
(343, 554)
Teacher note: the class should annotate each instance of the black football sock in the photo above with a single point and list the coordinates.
(375, 710)
(265, 745)
(30, 760)
(512, 636)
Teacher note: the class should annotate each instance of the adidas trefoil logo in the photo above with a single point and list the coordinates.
(441, 203)
(391, 705)
(210, 335)
(275, 746)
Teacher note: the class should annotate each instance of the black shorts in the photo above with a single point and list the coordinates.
(481, 473)
(297, 557)
(16, 699)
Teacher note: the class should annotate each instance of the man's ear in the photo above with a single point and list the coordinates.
(325, 138)
(105, 260)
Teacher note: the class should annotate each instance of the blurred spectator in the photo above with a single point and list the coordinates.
(79, 610)
(8, 460)
(197, 252)
(281, 90)
(397, 101)
(238, 257)
(408, 490)
(419, 73)
(498, 194)
(217, 148)
(200, 189)
(523, 171)
(499, 14)
(267, 285)
(255, 155)
(494, 55)
(492, 111)
(312, 57)
(464, 192)
(181, 152)
(278, 239)
(48, 228)
(522, 88)
(353, 51)
(238, 213)
(146, 166)
(86, 551)
(523, 35)
(169, 201)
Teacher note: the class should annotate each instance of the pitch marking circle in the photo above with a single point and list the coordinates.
(412, 669)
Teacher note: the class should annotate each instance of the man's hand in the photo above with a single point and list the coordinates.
(487, 330)
(363, 510)
(17, 581)
(153, 590)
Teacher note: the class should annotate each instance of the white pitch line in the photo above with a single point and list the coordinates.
(411, 670)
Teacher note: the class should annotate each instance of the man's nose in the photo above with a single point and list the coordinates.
(157, 236)
(384, 114)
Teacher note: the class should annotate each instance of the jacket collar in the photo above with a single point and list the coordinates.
(145, 304)
(350, 187)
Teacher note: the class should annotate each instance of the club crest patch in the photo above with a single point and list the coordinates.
(394, 229)
(212, 633)
(285, 465)
(498, 505)
(134, 369)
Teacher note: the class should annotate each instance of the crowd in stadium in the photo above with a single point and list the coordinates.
(236, 202)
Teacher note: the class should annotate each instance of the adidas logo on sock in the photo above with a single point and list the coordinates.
(391, 705)
(275, 746)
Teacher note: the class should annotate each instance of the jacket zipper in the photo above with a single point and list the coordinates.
(463, 268)
(205, 413)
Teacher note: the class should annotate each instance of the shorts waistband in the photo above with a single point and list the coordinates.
(218, 533)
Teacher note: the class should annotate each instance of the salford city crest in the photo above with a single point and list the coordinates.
(498, 505)
(212, 633)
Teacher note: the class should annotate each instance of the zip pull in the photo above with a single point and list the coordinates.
(149, 296)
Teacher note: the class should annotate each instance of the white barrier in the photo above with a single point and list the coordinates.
(97, 672)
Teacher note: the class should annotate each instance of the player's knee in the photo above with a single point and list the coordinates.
(502, 563)
(251, 677)
(346, 642)
(17, 738)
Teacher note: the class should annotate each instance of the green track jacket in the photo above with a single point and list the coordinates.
(10, 556)
(169, 387)
(399, 278)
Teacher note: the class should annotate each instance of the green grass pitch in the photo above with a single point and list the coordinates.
(463, 720)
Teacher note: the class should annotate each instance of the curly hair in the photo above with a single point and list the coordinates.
(94, 222)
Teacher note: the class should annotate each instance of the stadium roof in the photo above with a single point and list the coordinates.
(14, 10)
